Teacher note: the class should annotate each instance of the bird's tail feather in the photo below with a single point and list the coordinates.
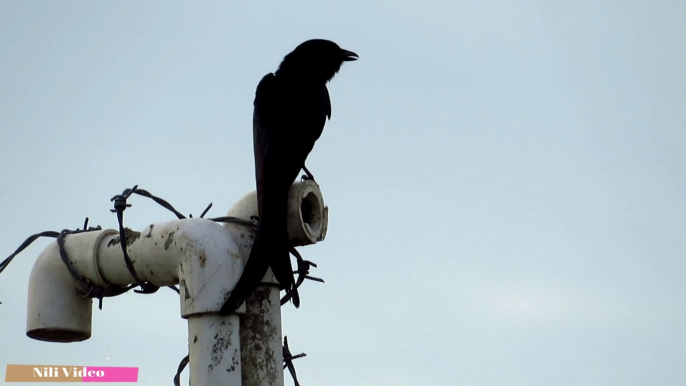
(254, 271)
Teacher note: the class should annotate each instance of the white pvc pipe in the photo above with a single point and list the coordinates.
(261, 350)
(206, 259)
(201, 251)
(214, 350)
(307, 219)
(261, 335)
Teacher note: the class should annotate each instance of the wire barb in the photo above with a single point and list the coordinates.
(288, 360)
(204, 212)
(303, 272)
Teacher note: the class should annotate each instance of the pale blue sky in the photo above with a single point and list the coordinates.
(505, 178)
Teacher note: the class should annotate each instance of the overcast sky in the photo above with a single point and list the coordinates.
(505, 179)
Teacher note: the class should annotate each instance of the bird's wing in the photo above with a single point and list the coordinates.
(270, 246)
(263, 121)
(266, 99)
(327, 102)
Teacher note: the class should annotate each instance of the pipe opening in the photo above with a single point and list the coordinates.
(57, 335)
(311, 211)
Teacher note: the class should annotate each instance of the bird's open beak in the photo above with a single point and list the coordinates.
(349, 56)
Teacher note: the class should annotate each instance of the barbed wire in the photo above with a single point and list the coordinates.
(182, 365)
(87, 288)
(120, 204)
(303, 272)
(288, 360)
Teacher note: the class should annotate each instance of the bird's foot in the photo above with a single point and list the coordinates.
(307, 175)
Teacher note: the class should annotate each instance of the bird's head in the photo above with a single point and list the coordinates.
(316, 59)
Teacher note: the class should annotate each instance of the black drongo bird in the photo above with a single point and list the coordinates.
(291, 108)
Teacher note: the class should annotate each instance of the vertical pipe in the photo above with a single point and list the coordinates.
(214, 350)
(261, 350)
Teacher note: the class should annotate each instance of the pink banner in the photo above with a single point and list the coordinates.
(110, 374)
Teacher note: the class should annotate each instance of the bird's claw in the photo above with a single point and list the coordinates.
(307, 175)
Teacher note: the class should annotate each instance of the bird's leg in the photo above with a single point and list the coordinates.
(308, 175)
